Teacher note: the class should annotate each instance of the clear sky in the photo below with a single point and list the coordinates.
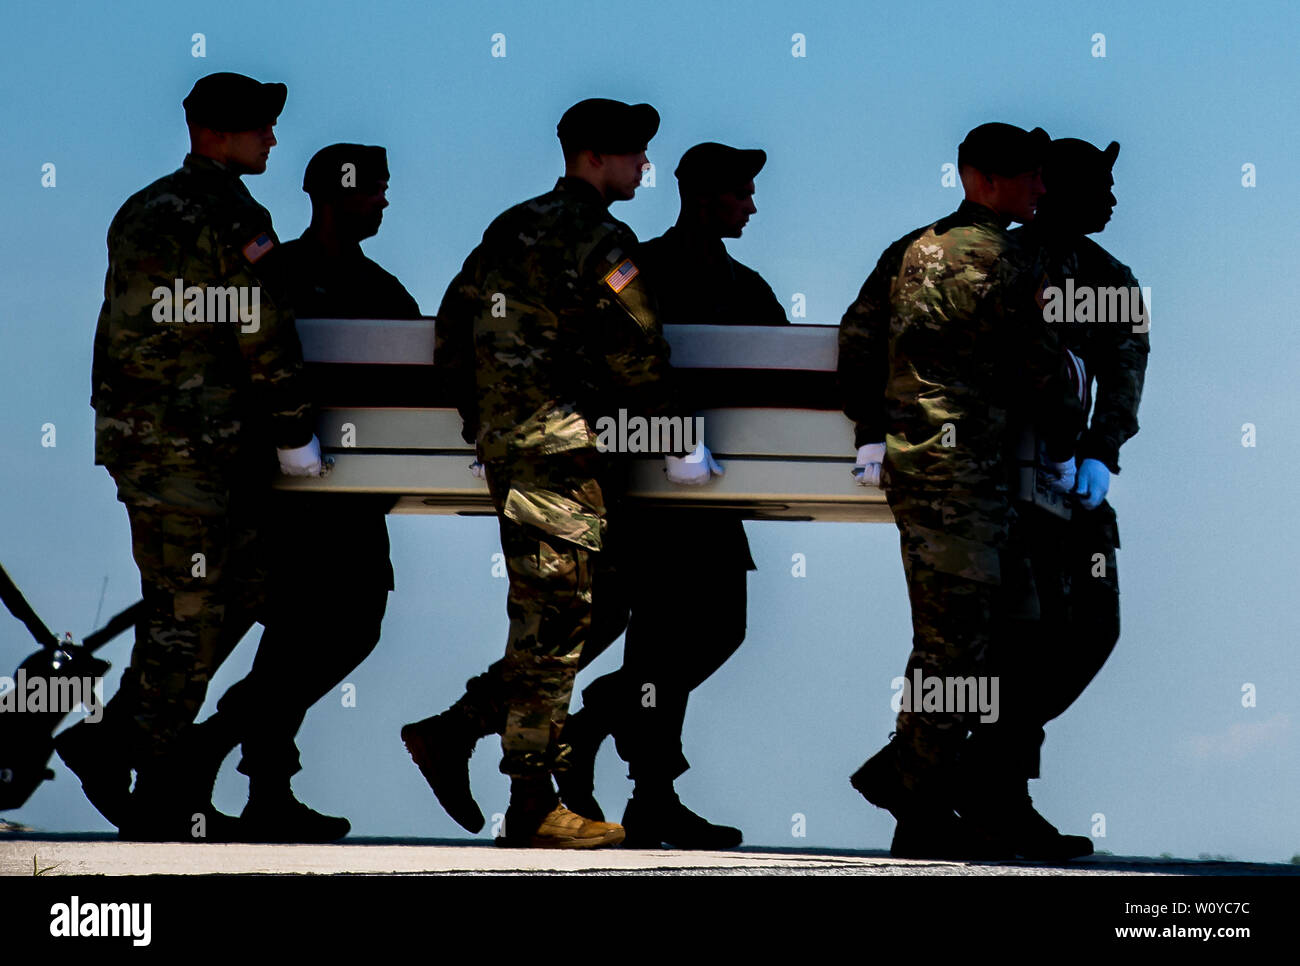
(856, 133)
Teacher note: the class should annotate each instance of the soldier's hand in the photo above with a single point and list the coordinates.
(1060, 476)
(477, 469)
(867, 469)
(692, 470)
(1093, 483)
(302, 461)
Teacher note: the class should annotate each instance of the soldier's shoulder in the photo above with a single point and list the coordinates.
(1097, 260)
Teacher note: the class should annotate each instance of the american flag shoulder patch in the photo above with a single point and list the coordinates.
(258, 247)
(623, 273)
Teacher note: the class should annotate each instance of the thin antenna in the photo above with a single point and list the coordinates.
(100, 608)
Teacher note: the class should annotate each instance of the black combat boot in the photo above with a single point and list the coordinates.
(166, 808)
(442, 746)
(927, 827)
(1007, 815)
(95, 755)
(655, 816)
(273, 814)
(577, 780)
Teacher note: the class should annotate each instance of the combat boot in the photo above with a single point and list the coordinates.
(282, 818)
(537, 820)
(1011, 819)
(92, 753)
(164, 809)
(577, 781)
(653, 820)
(927, 827)
(442, 748)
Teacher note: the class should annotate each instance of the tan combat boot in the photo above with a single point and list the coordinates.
(561, 829)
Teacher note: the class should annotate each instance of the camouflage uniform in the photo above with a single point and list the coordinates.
(188, 417)
(676, 649)
(320, 546)
(1061, 598)
(944, 338)
(554, 312)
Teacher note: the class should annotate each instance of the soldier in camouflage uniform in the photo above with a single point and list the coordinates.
(1070, 620)
(944, 338)
(197, 383)
(554, 312)
(324, 546)
(676, 649)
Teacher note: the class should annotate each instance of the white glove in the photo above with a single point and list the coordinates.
(867, 469)
(477, 469)
(1060, 476)
(302, 461)
(692, 470)
(1093, 483)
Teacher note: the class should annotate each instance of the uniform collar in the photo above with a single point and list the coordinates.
(581, 189)
(202, 163)
(972, 213)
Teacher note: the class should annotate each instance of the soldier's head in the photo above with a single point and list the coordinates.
(1079, 182)
(604, 143)
(716, 184)
(1001, 168)
(231, 117)
(347, 184)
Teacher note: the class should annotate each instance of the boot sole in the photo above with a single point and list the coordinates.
(611, 838)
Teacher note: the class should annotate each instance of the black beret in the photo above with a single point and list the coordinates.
(233, 102)
(325, 175)
(607, 127)
(1070, 159)
(713, 167)
(1003, 149)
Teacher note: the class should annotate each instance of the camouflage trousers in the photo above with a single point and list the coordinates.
(951, 546)
(552, 518)
(203, 583)
(1062, 601)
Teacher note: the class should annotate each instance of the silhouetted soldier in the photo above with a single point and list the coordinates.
(330, 568)
(197, 384)
(688, 608)
(1068, 621)
(943, 339)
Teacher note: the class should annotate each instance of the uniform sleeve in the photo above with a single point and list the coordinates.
(1117, 359)
(627, 329)
(269, 345)
(453, 352)
(1042, 385)
(863, 368)
(764, 307)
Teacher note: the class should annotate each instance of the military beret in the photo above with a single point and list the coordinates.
(1003, 149)
(716, 167)
(608, 127)
(233, 102)
(1070, 159)
(325, 174)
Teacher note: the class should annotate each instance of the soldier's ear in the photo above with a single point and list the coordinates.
(1111, 152)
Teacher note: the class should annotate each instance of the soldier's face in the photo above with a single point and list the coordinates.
(1097, 204)
(1019, 195)
(247, 151)
(729, 211)
(361, 212)
(623, 175)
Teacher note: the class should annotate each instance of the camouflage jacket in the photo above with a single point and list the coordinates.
(191, 398)
(693, 286)
(551, 319)
(1114, 350)
(943, 340)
